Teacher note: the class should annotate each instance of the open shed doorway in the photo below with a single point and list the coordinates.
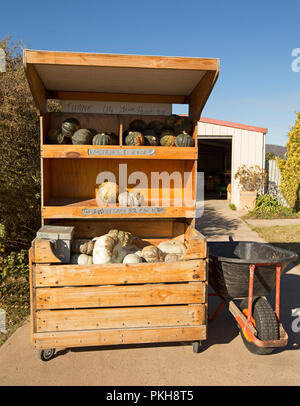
(214, 159)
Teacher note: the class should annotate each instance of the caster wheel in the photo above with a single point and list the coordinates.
(46, 355)
(196, 346)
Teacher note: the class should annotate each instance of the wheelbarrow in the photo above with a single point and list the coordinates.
(249, 271)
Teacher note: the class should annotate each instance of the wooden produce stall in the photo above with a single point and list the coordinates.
(75, 305)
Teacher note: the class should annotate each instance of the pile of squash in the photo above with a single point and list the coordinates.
(173, 131)
(71, 132)
(118, 247)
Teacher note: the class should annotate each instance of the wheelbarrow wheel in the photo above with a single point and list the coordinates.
(265, 322)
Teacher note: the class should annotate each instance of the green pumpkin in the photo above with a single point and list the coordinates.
(69, 126)
(170, 121)
(138, 125)
(156, 125)
(82, 137)
(102, 139)
(168, 141)
(166, 132)
(135, 138)
(93, 131)
(114, 139)
(184, 140)
(151, 138)
(61, 139)
(184, 124)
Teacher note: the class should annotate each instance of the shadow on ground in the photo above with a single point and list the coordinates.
(213, 223)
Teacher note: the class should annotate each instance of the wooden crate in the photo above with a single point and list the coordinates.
(74, 305)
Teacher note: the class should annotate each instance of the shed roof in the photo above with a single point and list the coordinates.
(233, 125)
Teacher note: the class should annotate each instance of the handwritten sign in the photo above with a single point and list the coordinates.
(123, 210)
(122, 152)
(99, 107)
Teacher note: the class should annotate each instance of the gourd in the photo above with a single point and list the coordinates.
(124, 237)
(166, 132)
(62, 139)
(172, 258)
(69, 126)
(93, 131)
(170, 121)
(184, 140)
(108, 192)
(134, 138)
(151, 137)
(168, 141)
(138, 125)
(132, 198)
(152, 254)
(81, 259)
(183, 124)
(82, 137)
(52, 134)
(172, 247)
(102, 139)
(82, 246)
(132, 259)
(103, 249)
(156, 125)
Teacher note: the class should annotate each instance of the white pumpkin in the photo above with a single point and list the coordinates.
(103, 249)
(135, 198)
(107, 193)
(81, 259)
(132, 259)
(172, 247)
(124, 199)
(171, 258)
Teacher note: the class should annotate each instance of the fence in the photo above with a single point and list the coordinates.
(273, 181)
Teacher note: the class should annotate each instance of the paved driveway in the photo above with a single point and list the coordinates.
(223, 361)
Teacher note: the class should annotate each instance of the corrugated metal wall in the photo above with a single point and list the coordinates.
(274, 181)
(248, 147)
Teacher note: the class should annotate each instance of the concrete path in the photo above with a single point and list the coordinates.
(223, 361)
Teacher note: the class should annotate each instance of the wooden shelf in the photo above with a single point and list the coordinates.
(117, 151)
(58, 208)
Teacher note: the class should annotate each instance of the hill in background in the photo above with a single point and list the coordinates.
(278, 150)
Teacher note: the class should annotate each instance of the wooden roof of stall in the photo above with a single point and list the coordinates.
(115, 77)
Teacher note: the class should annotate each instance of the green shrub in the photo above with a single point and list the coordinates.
(232, 206)
(290, 168)
(267, 206)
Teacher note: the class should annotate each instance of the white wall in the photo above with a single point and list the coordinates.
(248, 147)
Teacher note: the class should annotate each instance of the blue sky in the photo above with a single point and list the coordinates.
(254, 41)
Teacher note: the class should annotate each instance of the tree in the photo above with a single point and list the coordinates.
(290, 168)
(270, 156)
(19, 151)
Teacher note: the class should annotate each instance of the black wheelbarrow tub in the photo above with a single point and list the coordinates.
(229, 262)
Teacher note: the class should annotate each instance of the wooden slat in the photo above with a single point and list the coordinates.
(38, 90)
(81, 151)
(119, 97)
(119, 61)
(92, 319)
(121, 336)
(43, 252)
(78, 275)
(117, 296)
(196, 245)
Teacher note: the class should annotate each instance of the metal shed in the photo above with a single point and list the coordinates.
(223, 146)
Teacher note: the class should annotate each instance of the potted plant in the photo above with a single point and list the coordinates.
(252, 181)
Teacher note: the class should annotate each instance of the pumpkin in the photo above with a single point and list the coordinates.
(93, 131)
(81, 259)
(156, 125)
(183, 124)
(170, 121)
(152, 254)
(168, 141)
(172, 258)
(102, 139)
(172, 247)
(82, 246)
(151, 138)
(108, 192)
(166, 132)
(103, 249)
(135, 138)
(69, 126)
(124, 237)
(132, 259)
(138, 125)
(51, 137)
(184, 140)
(82, 137)
(135, 198)
(61, 139)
